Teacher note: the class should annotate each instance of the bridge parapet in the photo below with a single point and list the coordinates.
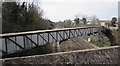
(15, 42)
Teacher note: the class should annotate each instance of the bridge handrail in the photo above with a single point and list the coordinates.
(42, 31)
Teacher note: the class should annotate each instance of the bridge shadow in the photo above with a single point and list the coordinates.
(110, 36)
(40, 50)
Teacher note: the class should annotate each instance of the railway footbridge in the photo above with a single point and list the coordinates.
(16, 42)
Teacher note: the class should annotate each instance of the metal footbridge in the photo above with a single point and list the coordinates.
(16, 42)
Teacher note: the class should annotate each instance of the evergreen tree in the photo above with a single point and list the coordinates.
(84, 21)
(114, 19)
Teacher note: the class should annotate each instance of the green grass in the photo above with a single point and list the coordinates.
(64, 47)
(99, 40)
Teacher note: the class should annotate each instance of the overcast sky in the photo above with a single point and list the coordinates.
(59, 10)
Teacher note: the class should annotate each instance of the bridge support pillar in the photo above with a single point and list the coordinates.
(56, 47)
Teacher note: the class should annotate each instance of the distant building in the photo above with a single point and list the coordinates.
(105, 23)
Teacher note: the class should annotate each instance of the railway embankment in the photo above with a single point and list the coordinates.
(106, 55)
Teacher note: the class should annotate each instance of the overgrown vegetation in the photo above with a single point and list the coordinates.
(17, 17)
(98, 39)
(101, 40)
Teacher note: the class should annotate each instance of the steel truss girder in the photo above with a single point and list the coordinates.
(15, 43)
(60, 34)
(31, 40)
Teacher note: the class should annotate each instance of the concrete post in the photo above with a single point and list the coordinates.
(56, 47)
(89, 39)
(53, 47)
(118, 21)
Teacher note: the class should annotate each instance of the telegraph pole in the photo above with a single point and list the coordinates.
(118, 15)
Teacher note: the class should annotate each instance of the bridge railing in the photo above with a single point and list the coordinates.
(15, 42)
